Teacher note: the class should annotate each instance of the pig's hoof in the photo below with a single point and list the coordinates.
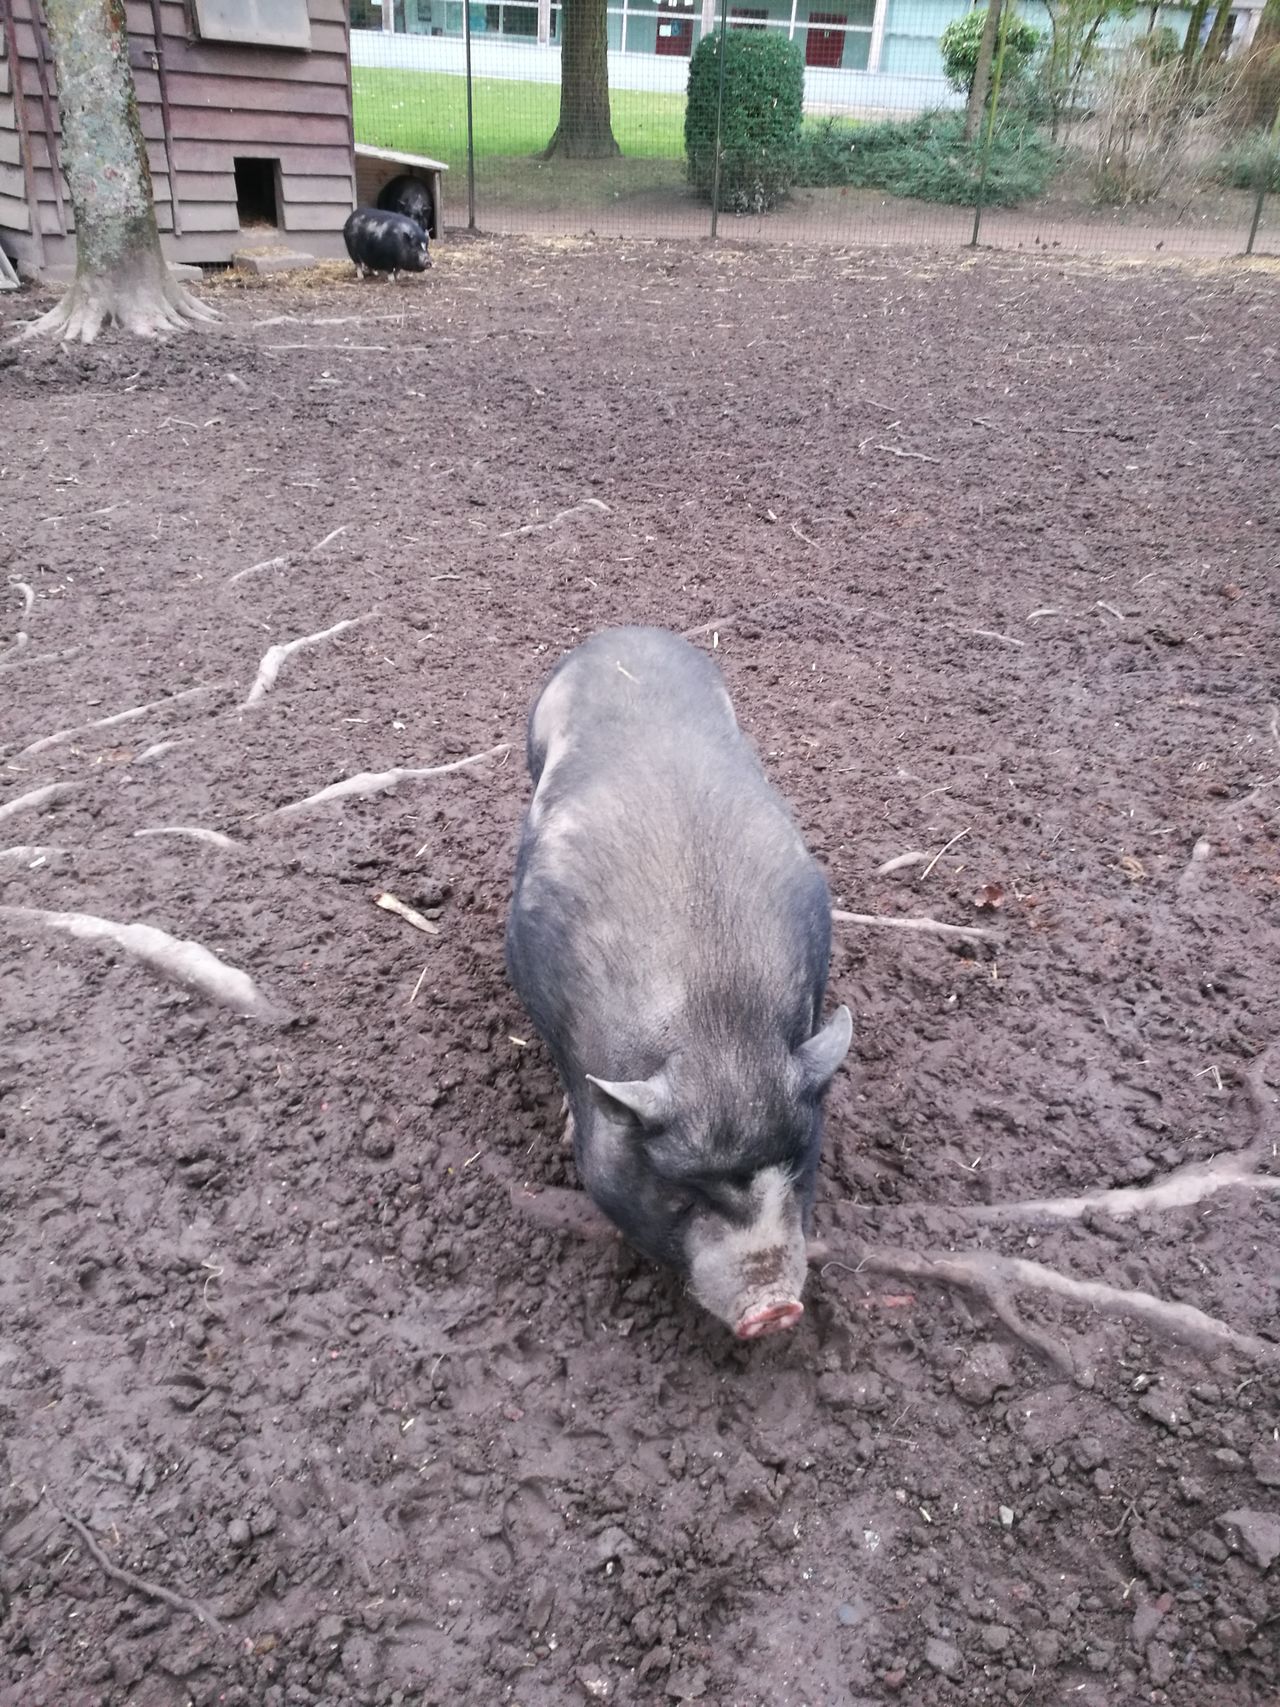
(772, 1319)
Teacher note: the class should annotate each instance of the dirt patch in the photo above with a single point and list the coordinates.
(988, 554)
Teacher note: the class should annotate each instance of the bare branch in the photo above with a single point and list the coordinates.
(930, 927)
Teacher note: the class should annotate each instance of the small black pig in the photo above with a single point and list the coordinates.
(670, 936)
(381, 242)
(411, 197)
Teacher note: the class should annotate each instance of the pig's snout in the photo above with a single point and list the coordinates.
(771, 1319)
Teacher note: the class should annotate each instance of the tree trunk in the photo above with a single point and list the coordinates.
(1262, 68)
(1216, 45)
(1191, 41)
(585, 131)
(121, 274)
(981, 85)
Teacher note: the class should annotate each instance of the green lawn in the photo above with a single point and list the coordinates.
(425, 112)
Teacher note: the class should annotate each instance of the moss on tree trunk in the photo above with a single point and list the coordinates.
(585, 131)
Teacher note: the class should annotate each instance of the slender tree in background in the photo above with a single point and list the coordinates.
(585, 131)
(981, 85)
(121, 273)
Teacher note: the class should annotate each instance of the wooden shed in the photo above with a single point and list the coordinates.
(246, 110)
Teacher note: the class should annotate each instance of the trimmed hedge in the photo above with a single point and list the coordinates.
(928, 158)
(760, 125)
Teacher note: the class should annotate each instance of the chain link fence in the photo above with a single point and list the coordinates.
(1103, 128)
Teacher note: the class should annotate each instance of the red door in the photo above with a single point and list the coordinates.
(823, 45)
(675, 27)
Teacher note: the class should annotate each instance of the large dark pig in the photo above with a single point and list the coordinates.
(669, 935)
(410, 196)
(385, 242)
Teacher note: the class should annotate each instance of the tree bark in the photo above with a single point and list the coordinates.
(1216, 45)
(981, 85)
(121, 273)
(1262, 68)
(585, 131)
(1191, 41)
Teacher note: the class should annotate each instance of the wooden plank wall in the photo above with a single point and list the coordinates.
(224, 100)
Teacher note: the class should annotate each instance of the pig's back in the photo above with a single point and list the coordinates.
(661, 882)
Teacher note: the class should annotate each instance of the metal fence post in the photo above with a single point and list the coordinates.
(1005, 15)
(715, 171)
(1273, 142)
(471, 129)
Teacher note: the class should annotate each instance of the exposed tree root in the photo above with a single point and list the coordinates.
(30, 851)
(991, 1277)
(140, 1585)
(931, 927)
(982, 1274)
(142, 298)
(283, 562)
(60, 736)
(37, 797)
(32, 658)
(157, 748)
(585, 508)
(275, 656)
(187, 962)
(378, 782)
(1184, 1186)
(214, 837)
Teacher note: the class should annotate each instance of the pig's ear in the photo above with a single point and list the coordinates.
(823, 1053)
(645, 1100)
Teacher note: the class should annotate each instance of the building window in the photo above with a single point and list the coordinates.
(261, 23)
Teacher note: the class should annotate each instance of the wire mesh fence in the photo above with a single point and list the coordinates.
(1093, 127)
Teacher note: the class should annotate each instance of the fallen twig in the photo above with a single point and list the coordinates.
(959, 835)
(141, 1585)
(584, 508)
(60, 736)
(379, 782)
(930, 927)
(915, 455)
(392, 904)
(188, 962)
(36, 798)
(274, 658)
(991, 634)
(1110, 609)
(708, 627)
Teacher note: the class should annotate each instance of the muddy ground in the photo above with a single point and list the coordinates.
(987, 550)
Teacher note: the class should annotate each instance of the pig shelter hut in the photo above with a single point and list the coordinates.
(246, 110)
